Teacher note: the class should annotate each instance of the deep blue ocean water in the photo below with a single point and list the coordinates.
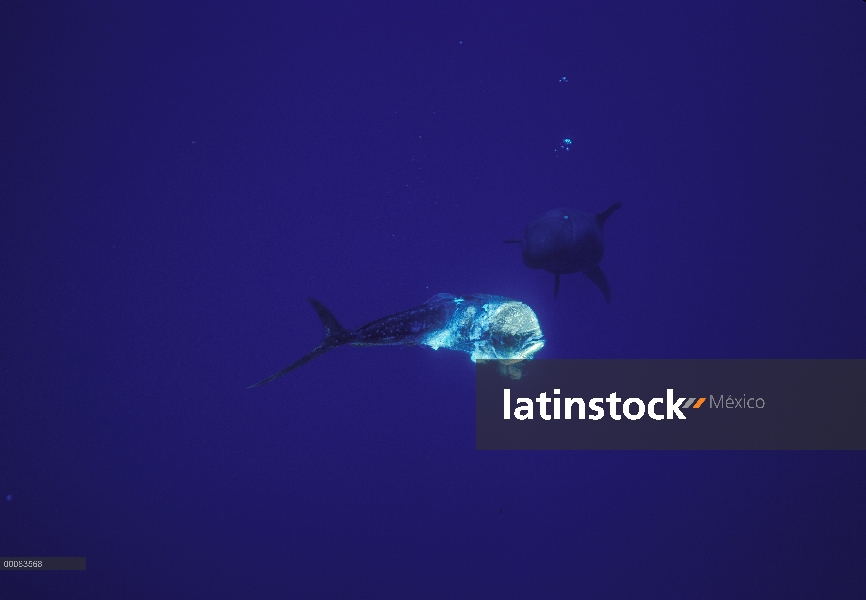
(177, 178)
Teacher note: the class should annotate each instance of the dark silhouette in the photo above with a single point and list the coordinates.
(563, 241)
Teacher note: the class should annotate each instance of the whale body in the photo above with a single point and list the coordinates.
(564, 241)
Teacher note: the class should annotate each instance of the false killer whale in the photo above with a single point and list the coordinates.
(567, 241)
(485, 326)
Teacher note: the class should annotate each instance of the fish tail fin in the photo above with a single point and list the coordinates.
(601, 217)
(335, 335)
(320, 350)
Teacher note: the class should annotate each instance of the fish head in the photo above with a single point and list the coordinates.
(510, 332)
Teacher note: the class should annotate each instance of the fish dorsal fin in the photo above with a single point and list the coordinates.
(601, 217)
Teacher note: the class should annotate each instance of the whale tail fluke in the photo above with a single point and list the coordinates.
(335, 335)
(601, 217)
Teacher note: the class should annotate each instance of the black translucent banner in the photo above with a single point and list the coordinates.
(671, 405)
(43, 563)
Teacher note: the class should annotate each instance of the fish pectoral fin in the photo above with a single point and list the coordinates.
(596, 275)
